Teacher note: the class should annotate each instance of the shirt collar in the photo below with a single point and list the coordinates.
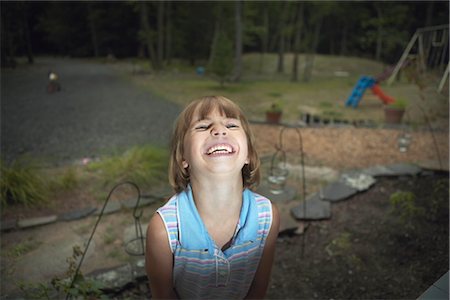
(193, 233)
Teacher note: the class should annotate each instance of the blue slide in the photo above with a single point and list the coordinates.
(363, 83)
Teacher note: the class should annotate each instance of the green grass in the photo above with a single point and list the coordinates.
(25, 182)
(23, 248)
(261, 85)
(22, 182)
(144, 166)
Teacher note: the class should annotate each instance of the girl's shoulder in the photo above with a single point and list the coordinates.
(262, 202)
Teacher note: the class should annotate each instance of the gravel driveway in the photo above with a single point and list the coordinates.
(96, 112)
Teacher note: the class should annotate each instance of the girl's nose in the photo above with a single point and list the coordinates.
(218, 130)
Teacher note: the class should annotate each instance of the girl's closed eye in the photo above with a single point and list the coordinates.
(232, 125)
(202, 126)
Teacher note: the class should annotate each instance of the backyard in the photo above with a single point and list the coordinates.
(370, 248)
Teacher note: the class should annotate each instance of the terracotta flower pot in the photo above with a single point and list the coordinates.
(273, 117)
(393, 115)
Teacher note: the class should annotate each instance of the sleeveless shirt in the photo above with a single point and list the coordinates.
(202, 270)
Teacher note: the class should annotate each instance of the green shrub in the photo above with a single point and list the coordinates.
(398, 104)
(142, 165)
(66, 180)
(404, 205)
(21, 182)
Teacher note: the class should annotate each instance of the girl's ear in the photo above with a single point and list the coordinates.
(247, 161)
(185, 164)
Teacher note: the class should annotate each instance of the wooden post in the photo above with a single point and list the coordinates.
(402, 59)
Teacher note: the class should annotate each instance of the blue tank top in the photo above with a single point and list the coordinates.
(201, 269)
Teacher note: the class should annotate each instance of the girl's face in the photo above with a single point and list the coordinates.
(215, 145)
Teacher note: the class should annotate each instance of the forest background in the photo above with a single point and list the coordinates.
(214, 33)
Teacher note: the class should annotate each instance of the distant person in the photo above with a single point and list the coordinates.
(214, 238)
(53, 84)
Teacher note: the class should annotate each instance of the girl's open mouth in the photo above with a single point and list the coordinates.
(220, 149)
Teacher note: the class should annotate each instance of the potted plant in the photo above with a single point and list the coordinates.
(393, 113)
(273, 114)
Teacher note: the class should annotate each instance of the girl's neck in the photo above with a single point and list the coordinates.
(213, 197)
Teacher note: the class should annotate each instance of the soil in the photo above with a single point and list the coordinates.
(366, 251)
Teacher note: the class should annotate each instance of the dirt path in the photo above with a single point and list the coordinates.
(97, 111)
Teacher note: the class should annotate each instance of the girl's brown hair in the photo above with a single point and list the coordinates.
(179, 176)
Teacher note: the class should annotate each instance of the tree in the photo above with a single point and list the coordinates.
(222, 56)
(298, 32)
(160, 44)
(238, 41)
(281, 37)
(92, 17)
(147, 34)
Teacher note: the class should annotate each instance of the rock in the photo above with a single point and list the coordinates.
(131, 203)
(113, 279)
(322, 173)
(36, 221)
(77, 214)
(132, 240)
(110, 208)
(313, 209)
(7, 225)
(358, 181)
(337, 191)
(378, 170)
(404, 169)
(287, 195)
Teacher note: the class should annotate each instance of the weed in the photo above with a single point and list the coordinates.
(404, 205)
(110, 236)
(21, 182)
(82, 288)
(142, 165)
(340, 245)
(438, 202)
(23, 248)
(68, 180)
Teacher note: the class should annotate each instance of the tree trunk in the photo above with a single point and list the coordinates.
(343, 50)
(297, 36)
(379, 32)
(238, 42)
(27, 35)
(309, 58)
(160, 20)
(148, 34)
(281, 38)
(264, 37)
(169, 32)
(429, 14)
(92, 27)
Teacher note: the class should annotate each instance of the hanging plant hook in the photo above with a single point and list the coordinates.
(96, 224)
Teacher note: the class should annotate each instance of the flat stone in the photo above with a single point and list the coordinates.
(132, 240)
(77, 214)
(378, 170)
(288, 193)
(358, 180)
(113, 279)
(322, 173)
(131, 203)
(7, 225)
(404, 169)
(287, 222)
(138, 267)
(110, 208)
(443, 283)
(434, 165)
(337, 191)
(26, 223)
(313, 209)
